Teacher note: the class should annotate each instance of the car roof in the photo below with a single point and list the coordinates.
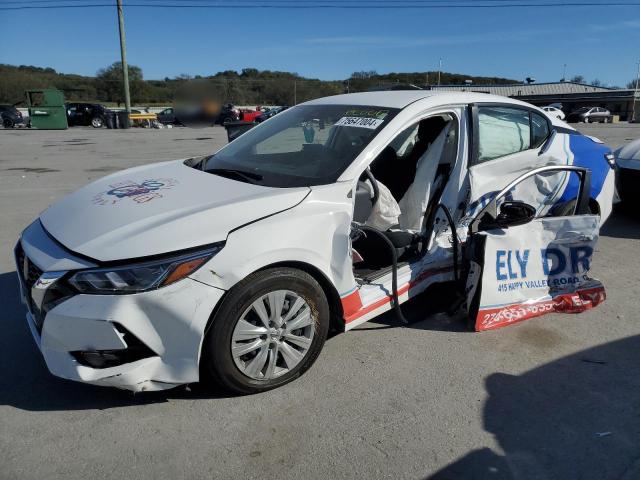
(402, 98)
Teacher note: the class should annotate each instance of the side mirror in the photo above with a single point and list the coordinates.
(514, 213)
(511, 213)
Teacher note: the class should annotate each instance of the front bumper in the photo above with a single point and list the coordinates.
(169, 321)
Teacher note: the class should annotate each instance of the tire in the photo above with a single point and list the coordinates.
(97, 122)
(586, 120)
(7, 123)
(238, 373)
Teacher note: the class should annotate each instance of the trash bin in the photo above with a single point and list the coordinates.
(235, 129)
(110, 119)
(47, 110)
(122, 119)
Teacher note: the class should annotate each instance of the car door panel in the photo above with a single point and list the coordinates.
(534, 269)
(483, 173)
(524, 271)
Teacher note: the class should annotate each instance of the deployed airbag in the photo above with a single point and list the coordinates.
(414, 203)
(385, 212)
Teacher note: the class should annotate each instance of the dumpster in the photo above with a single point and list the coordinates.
(235, 129)
(47, 110)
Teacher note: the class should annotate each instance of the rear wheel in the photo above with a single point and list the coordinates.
(97, 122)
(7, 123)
(268, 331)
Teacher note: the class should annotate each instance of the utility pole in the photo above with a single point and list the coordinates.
(439, 69)
(564, 73)
(635, 94)
(123, 55)
(295, 92)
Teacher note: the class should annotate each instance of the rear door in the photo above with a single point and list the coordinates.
(507, 141)
(525, 261)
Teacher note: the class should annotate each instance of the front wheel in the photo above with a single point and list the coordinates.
(268, 331)
(7, 123)
(97, 122)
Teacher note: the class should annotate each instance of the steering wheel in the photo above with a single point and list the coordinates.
(374, 184)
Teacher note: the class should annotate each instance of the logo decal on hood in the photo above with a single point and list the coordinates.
(142, 192)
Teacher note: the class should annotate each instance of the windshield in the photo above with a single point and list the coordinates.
(302, 146)
(582, 110)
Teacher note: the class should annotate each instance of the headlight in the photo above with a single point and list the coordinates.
(142, 276)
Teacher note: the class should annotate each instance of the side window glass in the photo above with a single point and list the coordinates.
(502, 131)
(405, 141)
(539, 130)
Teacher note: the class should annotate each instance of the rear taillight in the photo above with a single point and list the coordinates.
(611, 160)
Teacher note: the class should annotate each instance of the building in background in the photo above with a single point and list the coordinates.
(570, 95)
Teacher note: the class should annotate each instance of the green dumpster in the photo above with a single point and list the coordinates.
(46, 109)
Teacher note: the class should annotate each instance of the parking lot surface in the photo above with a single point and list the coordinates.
(556, 397)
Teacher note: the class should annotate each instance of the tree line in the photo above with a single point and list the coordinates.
(249, 86)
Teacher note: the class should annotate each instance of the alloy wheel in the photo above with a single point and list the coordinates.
(273, 335)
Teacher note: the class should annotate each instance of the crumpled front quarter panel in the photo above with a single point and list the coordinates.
(315, 232)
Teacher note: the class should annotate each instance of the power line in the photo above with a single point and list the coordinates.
(356, 2)
(405, 5)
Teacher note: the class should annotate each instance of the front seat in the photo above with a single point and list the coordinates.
(413, 204)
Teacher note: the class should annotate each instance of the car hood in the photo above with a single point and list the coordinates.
(159, 208)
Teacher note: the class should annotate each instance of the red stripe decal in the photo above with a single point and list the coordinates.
(576, 302)
(350, 314)
(351, 303)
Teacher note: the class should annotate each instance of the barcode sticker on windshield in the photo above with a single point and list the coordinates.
(361, 122)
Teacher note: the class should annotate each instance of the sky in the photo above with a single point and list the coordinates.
(597, 42)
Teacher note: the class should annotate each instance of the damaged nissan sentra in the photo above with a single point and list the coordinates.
(236, 265)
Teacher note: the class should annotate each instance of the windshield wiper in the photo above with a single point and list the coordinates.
(247, 176)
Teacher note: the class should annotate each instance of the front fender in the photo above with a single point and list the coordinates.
(315, 232)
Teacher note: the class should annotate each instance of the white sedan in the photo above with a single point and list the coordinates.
(235, 265)
(554, 112)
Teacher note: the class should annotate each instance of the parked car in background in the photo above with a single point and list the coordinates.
(228, 113)
(267, 114)
(590, 115)
(247, 115)
(10, 116)
(168, 117)
(83, 114)
(555, 112)
(628, 162)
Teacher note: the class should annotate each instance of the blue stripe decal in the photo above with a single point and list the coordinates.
(588, 154)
